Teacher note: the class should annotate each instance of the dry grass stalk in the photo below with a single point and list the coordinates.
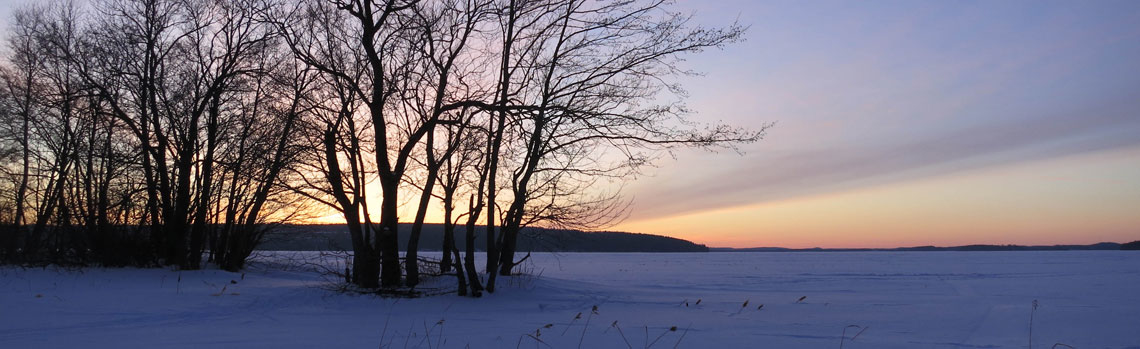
(682, 336)
(671, 329)
(843, 336)
(615, 325)
(593, 311)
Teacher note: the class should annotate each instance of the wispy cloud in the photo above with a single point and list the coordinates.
(764, 176)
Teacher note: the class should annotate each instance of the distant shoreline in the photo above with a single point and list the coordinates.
(1103, 246)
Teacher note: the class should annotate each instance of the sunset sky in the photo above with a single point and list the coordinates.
(902, 123)
(911, 123)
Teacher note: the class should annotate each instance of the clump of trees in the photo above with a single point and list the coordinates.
(146, 132)
(172, 132)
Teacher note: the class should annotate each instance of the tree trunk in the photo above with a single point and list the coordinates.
(198, 232)
(387, 242)
(176, 223)
(510, 244)
(410, 259)
(469, 258)
(462, 281)
(448, 233)
(364, 262)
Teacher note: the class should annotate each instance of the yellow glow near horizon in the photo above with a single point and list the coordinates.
(1080, 199)
(407, 211)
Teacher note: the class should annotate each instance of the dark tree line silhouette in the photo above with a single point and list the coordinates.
(334, 238)
(177, 132)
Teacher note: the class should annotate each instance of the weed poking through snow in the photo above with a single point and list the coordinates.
(1031, 312)
(843, 336)
(615, 325)
(427, 334)
(682, 336)
(742, 307)
(536, 336)
(650, 344)
(576, 317)
(593, 311)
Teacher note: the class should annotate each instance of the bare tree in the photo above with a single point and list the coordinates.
(318, 36)
(601, 66)
(445, 28)
(21, 87)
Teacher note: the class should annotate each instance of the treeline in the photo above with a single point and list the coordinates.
(175, 132)
(334, 237)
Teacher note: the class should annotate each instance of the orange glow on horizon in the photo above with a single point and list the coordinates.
(1081, 199)
(1074, 200)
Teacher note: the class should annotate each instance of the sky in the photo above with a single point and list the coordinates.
(904, 123)
(911, 123)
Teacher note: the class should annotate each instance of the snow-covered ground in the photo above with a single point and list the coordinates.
(897, 299)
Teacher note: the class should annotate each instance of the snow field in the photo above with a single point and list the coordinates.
(1086, 299)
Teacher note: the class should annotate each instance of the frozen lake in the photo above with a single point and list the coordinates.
(1086, 299)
